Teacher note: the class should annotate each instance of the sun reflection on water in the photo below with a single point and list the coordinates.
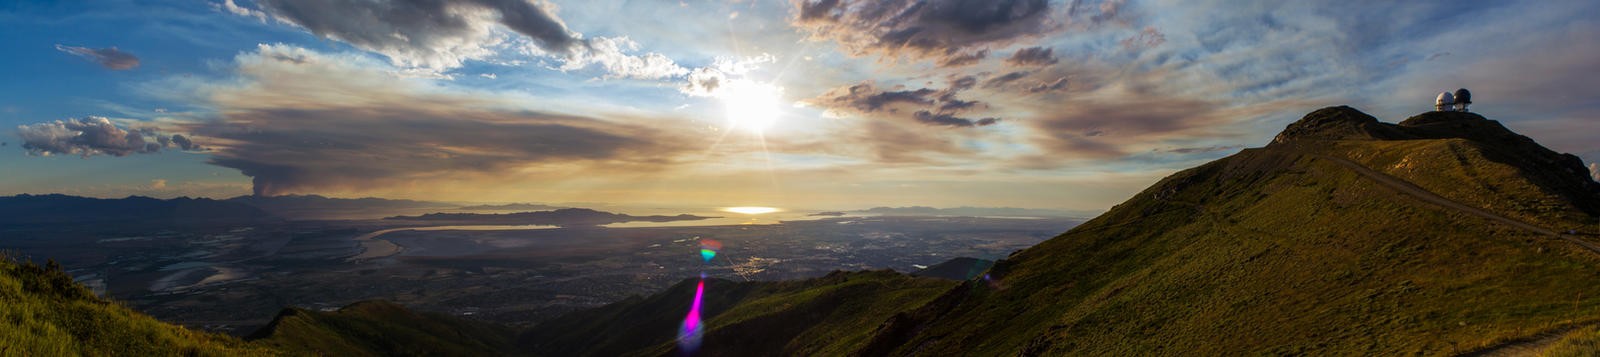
(750, 210)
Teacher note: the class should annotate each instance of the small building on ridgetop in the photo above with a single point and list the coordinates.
(1456, 101)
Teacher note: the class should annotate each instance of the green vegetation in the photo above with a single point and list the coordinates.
(44, 313)
(377, 328)
(1584, 342)
(827, 316)
(961, 268)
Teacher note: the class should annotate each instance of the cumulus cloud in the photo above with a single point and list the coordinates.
(950, 30)
(1033, 56)
(610, 53)
(434, 36)
(92, 135)
(110, 58)
(296, 120)
(420, 33)
(710, 81)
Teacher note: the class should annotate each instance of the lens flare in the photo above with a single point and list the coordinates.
(689, 336)
(709, 249)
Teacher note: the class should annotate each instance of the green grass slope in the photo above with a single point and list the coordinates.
(378, 328)
(1280, 250)
(827, 316)
(44, 313)
(961, 268)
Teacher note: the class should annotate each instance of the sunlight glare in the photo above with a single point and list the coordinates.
(750, 210)
(751, 106)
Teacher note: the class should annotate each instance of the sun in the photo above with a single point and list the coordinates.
(751, 106)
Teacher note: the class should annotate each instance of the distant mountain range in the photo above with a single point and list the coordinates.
(319, 207)
(974, 211)
(566, 217)
(510, 207)
(55, 209)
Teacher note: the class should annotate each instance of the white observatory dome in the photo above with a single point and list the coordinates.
(1446, 99)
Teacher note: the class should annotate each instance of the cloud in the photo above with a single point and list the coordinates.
(710, 81)
(1033, 56)
(296, 120)
(1005, 79)
(92, 135)
(609, 54)
(1147, 38)
(435, 36)
(952, 31)
(928, 106)
(963, 59)
(1058, 84)
(926, 117)
(421, 33)
(110, 58)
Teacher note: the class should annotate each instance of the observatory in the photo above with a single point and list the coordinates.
(1463, 97)
(1456, 101)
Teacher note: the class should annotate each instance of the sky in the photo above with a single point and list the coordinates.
(810, 103)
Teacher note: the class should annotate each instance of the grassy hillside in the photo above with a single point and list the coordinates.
(961, 268)
(816, 317)
(1282, 251)
(43, 313)
(377, 328)
(1295, 248)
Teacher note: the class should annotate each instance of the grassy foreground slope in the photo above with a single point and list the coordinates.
(378, 328)
(827, 316)
(1280, 250)
(44, 313)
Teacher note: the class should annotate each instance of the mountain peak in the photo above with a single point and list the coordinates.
(1337, 123)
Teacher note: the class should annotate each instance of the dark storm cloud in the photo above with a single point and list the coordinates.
(110, 58)
(89, 136)
(290, 150)
(943, 29)
(929, 118)
(1033, 56)
(328, 123)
